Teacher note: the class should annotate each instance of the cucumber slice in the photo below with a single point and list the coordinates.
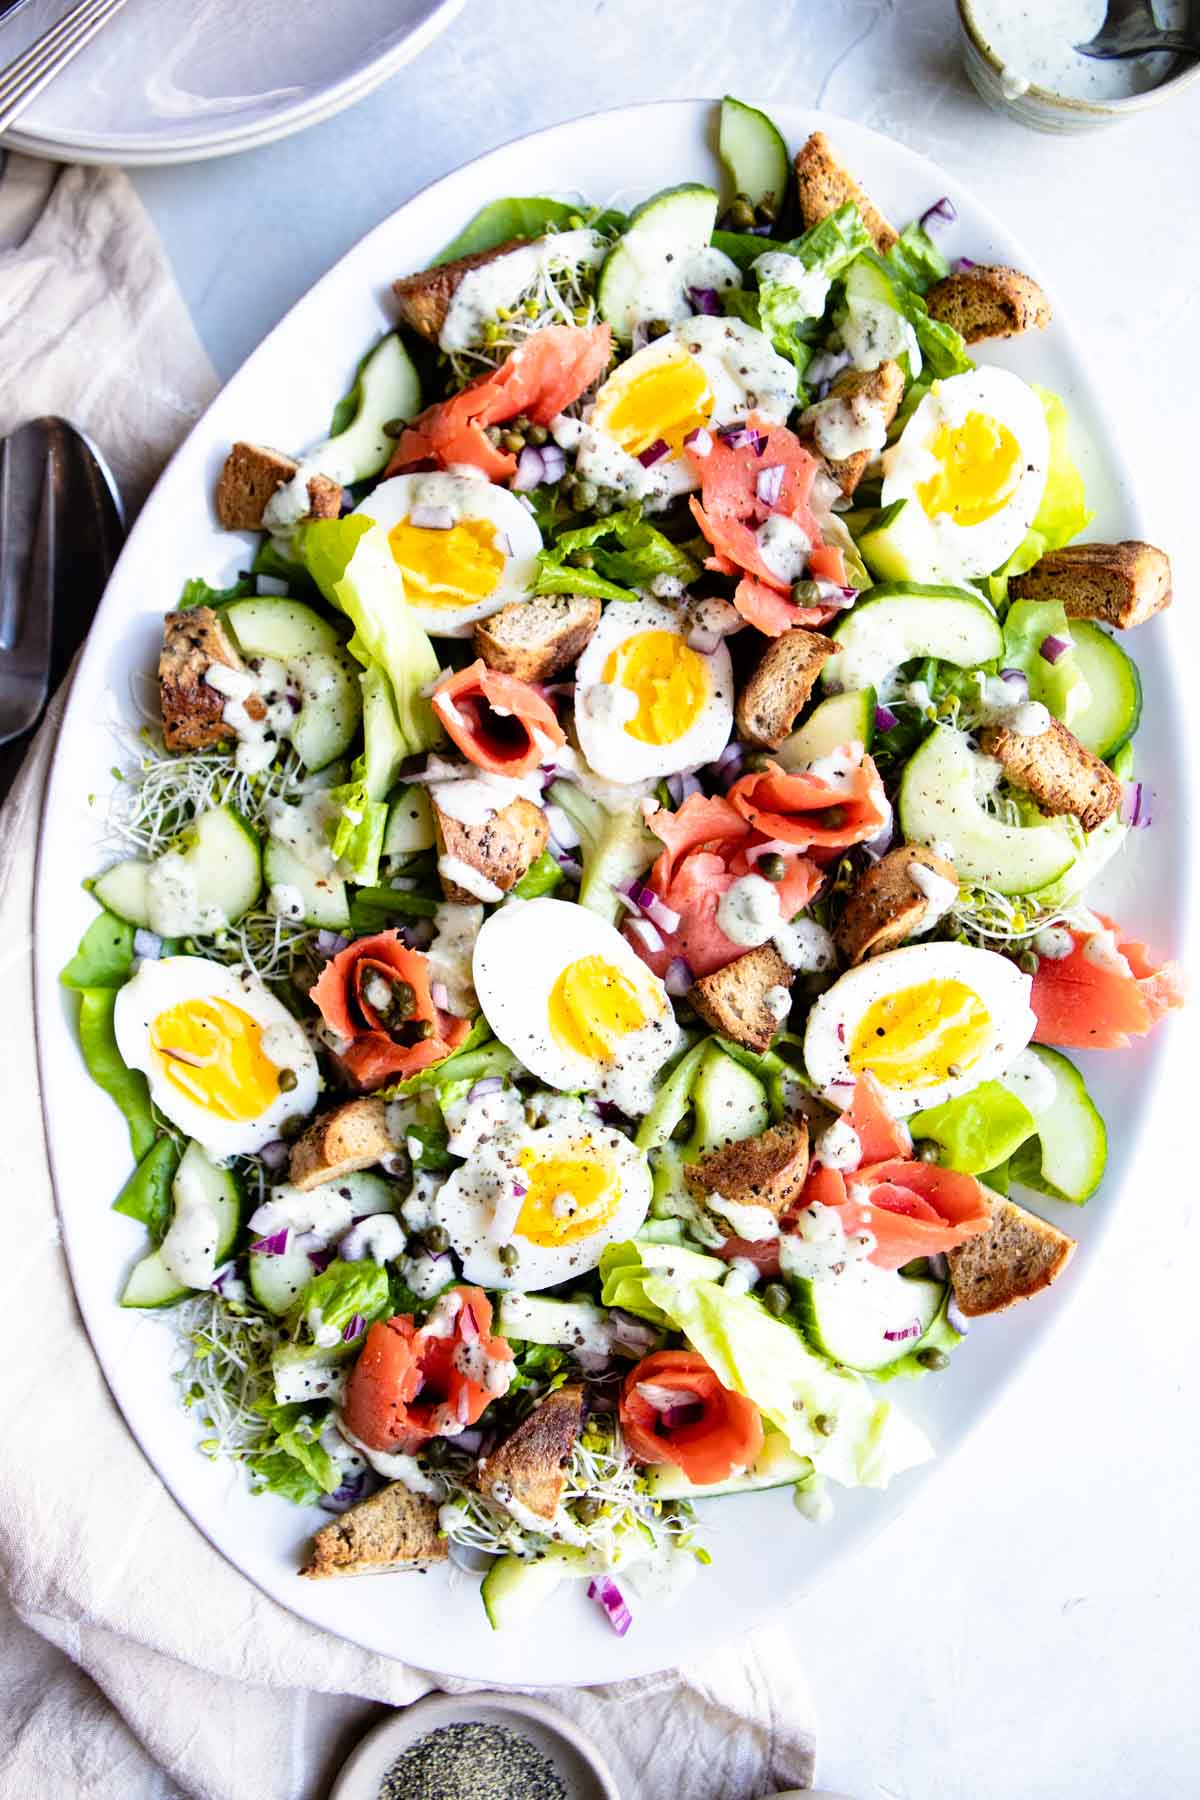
(664, 233)
(198, 1183)
(388, 387)
(323, 897)
(841, 719)
(574, 1324)
(754, 153)
(303, 1373)
(883, 545)
(278, 1281)
(1114, 706)
(316, 660)
(1071, 1135)
(903, 620)
(730, 1103)
(777, 1465)
(222, 862)
(513, 1589)
(847, 1317)
(938, 804)
(410, 823)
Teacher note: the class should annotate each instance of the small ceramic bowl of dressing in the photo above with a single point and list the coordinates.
(1021, 59)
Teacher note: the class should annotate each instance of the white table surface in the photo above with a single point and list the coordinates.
(1029, 1628)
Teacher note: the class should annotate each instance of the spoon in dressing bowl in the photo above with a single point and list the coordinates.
(1131, 29)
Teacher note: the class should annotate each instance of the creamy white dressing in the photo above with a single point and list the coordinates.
(189, 1250)
(1032, 1082)
(811, 287)
(1035, 44)
(997, 706)
(664, 277)
(471, 1123)
(282, 690)
(394, 1466)
(471, 797)
(757, 1224)
(505, 281)
(449, 955)
(839, 1147)
(613, 796)
(460, 874)
(303, 829)
(778, 1002)
(1103, 952)
(425, 1274)
(874, 332)
(938, 892)
(749, 912)
(562, 1527)
(379, 1239)
(610, 704)
(285, 901)
(805, 946)
(818, 1247)
(842, 425)
(487, 1372)
(326, 1212)
(783, 547)
(1054, 942)
(837, 769)
(173, 905)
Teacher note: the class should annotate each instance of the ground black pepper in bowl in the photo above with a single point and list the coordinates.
(472, 1762)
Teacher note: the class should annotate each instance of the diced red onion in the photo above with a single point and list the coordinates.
(355, 1326)
(432, 518)
(487, 1084)
(942, 212)
(885, 719)
(654, 453)
(882, 841)
(646, 935)
(1052, 648)
(660, 1397)
(563, 829)
(689, 784)
(345, 1496)
(647, 901)
(964, 264)
(745, 437)
(554, 464)
(768, 484)
(222, 1276)
(274, 1154)
(678, 978)
(275, 1245)
(632, 1333)
(468, 1326)
(566, 862)
(1018, 681)
(329, 943)
(530, 470)
(1136, 800)
(470, 1440)
(321, 1259)
(685, 1412)
(703, 641)
(607, 1595)
(147, 944)
(911, 1330)
(439, 993)
(699, 441)
(956, 1318)
(705, 300)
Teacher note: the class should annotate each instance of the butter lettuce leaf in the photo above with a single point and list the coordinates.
(978, 1130)
(616, 846)
(1064, 511)
(104, 958)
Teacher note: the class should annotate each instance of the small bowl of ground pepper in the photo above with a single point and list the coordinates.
(476, 1747)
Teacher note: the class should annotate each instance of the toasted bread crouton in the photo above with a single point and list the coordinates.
(1015, 1258)
(734, 1000)
(879, 391)
(424, 299)
(989, 301)
(768, 1170)
(1119, 584)
(530, 1466)
(822, 185)
(192, 711)
(886, 905)
(352, 1136)
(394, 1529)
(535, 639)
(482, 862)
(252, 474)
(772, 699)
(1057, 770)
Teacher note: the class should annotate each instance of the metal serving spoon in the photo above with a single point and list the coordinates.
(1131, 29)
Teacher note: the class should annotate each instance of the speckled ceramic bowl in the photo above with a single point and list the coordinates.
(1041, 108)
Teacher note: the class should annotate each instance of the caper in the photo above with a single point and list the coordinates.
(436, 1452)
(417, 1030)
(776, 1299)
(404, 1000)
(582, 559)
(288, 1079)
(494, 434)
(806, 593)
(765, 212)
(1029, 962)
(291, 1128)
(833, 817)
(514, 441)
(825, 1423)
(393, 427)
(510, 1256)
(522, 422)
(741, 213)
(588, 1511)
(437, 1239)
(538, 435)
(933, 1359)
(928, 1151)
(586, 495)
(774, 866)
(759, 763)
(657, 328)
(603, 506)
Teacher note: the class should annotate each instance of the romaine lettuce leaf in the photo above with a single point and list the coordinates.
(356, 832)
(626, 1268)
(104, 958)
(626, 553)
(978, 1130)
(291, 1462)
(198, 592)
(341, 1291)
(916, 259)
(541, 877)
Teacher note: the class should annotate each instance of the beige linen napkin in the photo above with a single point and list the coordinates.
(134, 1660)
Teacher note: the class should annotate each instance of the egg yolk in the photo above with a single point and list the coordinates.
(921, 1035)
(569, 1197)
(669, 681)
(447, 568)
(212, 1052)
(594, 1005)
(664, 401)
(978, 467)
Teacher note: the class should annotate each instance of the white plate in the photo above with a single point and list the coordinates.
(153, 87)
(764, 1553)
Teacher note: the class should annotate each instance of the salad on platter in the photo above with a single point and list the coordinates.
(597, 922)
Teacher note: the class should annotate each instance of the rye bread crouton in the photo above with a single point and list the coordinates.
(1015, 1258)
(886, 906)
(734, 1000)
(482, 862)
(536, 639)
(532, 1461)
(424, 299)
(768, 1170)
(252, 474)
(192, 711)
(878, 391)
(989, 301)
(823, 184)
(1057, 770)
(774, 696)
(351, 1136)
(1117, 584)
(392, 1530)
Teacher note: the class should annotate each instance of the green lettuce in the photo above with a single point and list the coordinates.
(916, 259)
(625, 551)
(128, 1087)
(616, 847)
(978, 1130)
(541, 877)
(146, 1196)
(830, 246)
(626, 1268)
(343, 1290)
(356, 831)
(291, 1462)
(104, 958)
(1059, 685)
(198, 592)
(1063, 513)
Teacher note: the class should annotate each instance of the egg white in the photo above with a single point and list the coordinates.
(745, 374)
(604, 710)
(462, 498)
(938, 547)
(479, 1206)
(521, 952)
(160, 986)
(997, 984)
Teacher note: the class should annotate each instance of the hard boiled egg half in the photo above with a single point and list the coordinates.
(462, 547)
(705, 374)
(646, 703)
(970, 466)
(556, 1196)
(225, 1061)
(574, 1001)
(929, 1022)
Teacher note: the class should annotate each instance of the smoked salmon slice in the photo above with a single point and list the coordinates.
(811, 811)
(499, 723)
(674, 1410)
(408, 1386)
(911, 1209)
(379, 1049)
(1106, 992)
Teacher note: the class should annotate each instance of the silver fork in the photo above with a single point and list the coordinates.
(1131, 29)
(24, 78)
